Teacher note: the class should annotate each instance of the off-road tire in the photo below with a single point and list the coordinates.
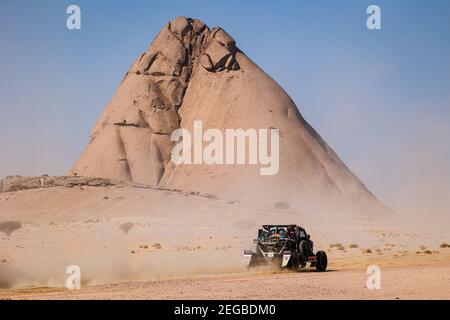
(294, 263)
(322, 261)
(303, 250)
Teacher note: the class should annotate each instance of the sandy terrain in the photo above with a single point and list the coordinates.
(427, 278)
(146, 243)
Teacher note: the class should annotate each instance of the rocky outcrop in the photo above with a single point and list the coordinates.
(191, 73)
(17, 183)
(219, 54)
(132, 139)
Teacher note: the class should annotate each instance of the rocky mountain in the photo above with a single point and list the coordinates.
(194, 73)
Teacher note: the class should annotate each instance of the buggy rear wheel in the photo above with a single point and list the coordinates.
(294, 264)
(303, 250)
(322, 261)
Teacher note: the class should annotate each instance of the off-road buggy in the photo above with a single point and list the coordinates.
(288, 246)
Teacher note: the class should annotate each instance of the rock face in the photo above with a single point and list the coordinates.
(17, 183)
(189, 73)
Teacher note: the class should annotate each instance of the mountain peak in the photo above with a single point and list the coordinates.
(193, 73)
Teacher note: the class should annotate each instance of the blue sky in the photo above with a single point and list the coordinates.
(380, 98)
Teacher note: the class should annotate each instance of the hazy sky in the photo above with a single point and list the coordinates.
(380, 98)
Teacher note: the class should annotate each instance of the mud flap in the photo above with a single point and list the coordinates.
(286, 258)
(248, 254)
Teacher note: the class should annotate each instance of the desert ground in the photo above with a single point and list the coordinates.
(410, 278)
(146, 243)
